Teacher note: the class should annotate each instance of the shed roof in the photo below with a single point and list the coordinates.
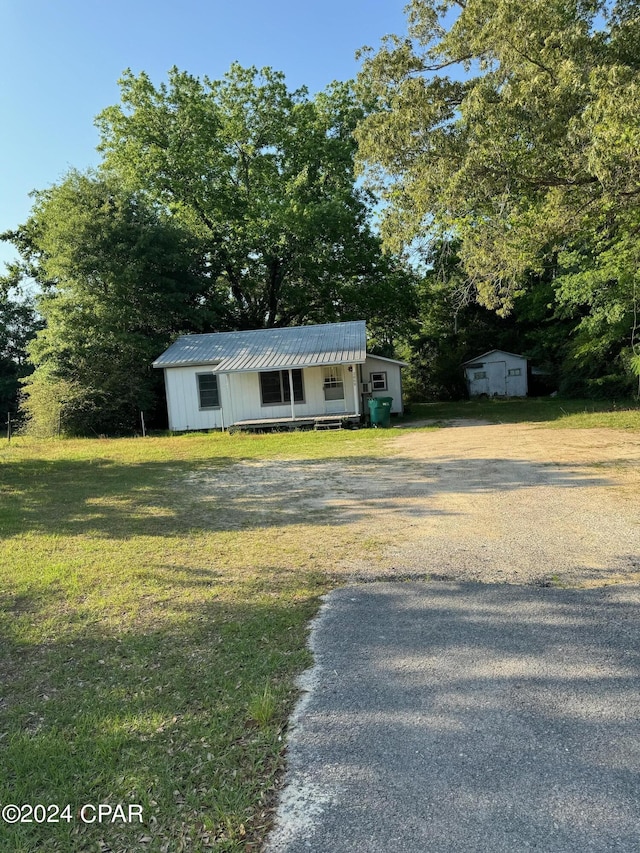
(490, 352)
(270, 349)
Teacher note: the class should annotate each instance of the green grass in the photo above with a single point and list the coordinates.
(551, 411)
(151, 637)
(148, 650)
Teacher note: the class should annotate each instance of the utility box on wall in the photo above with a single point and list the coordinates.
(496, 374)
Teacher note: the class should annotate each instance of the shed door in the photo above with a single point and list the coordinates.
(497, 374)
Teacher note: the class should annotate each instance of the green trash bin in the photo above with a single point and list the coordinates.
(380, 411)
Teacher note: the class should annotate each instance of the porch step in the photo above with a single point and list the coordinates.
(334, 423)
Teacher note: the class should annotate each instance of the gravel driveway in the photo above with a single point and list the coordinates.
(514, 503)
(449, 715)
(511, 503)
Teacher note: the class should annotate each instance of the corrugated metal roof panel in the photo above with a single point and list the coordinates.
(271, 349)
(490, 352)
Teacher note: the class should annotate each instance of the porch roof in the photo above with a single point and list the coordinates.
(270, 349)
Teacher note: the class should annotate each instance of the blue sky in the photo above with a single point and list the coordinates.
(60, 61)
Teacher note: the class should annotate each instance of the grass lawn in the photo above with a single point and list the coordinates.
(148, 651)
(551, 411)
(150, 639)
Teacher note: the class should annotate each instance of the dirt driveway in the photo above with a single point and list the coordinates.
(520, 503)
(514, 503)
(450, 716)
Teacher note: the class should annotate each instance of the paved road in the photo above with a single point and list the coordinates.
(467, 717)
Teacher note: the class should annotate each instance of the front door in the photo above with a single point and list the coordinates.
(333, 387)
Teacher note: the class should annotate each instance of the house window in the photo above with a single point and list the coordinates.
(208, 393)
(481, 374)
(275, 390)
(378, 381)
(515, 371)
(332, 383)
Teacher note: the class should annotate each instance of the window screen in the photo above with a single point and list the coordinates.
(208, 394)
(274, 387)
(378, 381)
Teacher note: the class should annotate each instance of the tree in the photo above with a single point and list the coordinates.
(18, 325)
(118, 281)
(452, 328)
(513, 127)
(265, 178)
(218, 206)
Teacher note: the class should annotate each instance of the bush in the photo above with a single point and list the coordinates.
(48, 404)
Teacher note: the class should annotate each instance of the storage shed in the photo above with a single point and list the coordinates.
(497, 374)
(294, 376)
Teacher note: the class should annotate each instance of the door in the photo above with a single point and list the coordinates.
(333, 388)
(497, 375)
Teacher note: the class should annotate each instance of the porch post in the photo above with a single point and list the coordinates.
(293, 408)
(231, 416)
(356, 389)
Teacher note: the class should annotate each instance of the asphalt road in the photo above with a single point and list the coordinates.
(467, 717)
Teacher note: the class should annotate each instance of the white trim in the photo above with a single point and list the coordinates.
(391, 360)
(267, 369)
(356, 390)
(218, 405)
(292, 394)
(490, 352)
(384, 380)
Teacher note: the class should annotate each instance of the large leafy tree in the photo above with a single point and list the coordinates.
(265, 178)
(513, 125)
(452, 328)
(118, 280)
(19, 323)
(219, 205)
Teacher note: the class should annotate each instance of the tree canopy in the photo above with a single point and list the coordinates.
(219, 205)
(118, 281)
(265, 178)
(18, 325)
(512, 127)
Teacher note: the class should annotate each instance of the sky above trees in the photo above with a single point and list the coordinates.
(61, 61)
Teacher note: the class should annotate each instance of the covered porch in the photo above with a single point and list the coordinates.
(315, 422)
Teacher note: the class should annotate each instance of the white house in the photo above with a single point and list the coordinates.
(497, 374)
(296, 376)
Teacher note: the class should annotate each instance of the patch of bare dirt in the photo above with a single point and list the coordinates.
(521, 503)
(513, 503)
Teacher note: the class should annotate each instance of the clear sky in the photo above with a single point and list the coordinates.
(60, 61)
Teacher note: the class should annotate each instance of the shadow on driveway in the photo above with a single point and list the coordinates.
(467, 717)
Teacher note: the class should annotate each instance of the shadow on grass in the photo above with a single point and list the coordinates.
(153, 716)
(120, 501)
(532, 410)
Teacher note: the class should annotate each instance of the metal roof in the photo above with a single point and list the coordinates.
(270, 349)
(490, 352)
(390, 360)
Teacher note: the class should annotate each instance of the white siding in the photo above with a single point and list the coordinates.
(246, 402)
(183, 403)
(505, 374)
(394, 380)
(240, 398)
